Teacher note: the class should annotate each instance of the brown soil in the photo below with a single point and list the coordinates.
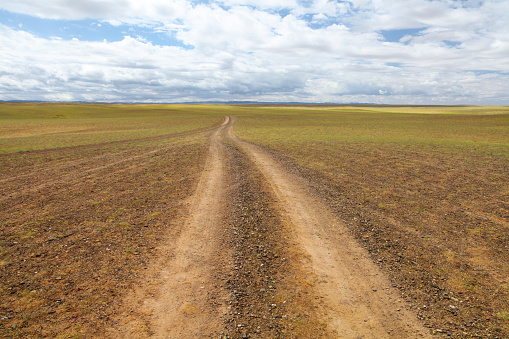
(80, 224)
(276, 264)
(174, 301)
(435, 222)
(268, 293)
(126, 241)
(231, 271)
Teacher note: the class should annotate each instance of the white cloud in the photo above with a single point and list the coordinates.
(262, 4)
(216, 29)
(247, 50)
(319, 17)
(147, 10)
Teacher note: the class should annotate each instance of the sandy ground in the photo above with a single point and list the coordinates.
(350, 294)
(174, 303)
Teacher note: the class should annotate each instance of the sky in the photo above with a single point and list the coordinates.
(312, 51)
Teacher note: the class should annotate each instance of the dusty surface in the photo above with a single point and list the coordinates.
(175, 303)
(268, 293)
(357, 297)
(232, 270)
(80, 224)
(434, 221)
(205, 237)
(260, 256)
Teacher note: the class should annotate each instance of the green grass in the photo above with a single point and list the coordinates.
(474, 129)
(425, 184)
(41, 126)
(503, 315)
(357, 125)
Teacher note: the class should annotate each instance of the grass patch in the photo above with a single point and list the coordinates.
(445, 132)
(153, 215)
(424, 189)
(26, 127)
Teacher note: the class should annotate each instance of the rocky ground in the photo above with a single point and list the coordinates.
(437, 227)
(79, 225)
(261, 271)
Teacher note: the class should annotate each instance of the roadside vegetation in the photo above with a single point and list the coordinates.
(425, 190)
(89, 191)
(80, 223)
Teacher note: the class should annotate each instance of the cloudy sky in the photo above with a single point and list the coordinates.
(367, 51)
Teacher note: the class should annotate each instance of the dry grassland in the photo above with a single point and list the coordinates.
(427, 194)
(88, 193)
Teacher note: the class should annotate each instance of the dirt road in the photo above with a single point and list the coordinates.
(175, 301)
(80, 224)
(239, 271)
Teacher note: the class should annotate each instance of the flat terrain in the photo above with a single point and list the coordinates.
(175, 221)
(425, 190)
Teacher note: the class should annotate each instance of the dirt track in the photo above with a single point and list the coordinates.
(80, 224)
(184, 267)
(239, 271)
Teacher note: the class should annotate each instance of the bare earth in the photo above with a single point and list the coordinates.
(201, 234)
(341, 293)
(81, 224)
(183, 270)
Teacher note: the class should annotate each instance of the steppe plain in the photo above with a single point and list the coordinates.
(254, 221)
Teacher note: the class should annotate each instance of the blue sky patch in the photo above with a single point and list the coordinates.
(394, 64)
(283, 12)
(452, 43)
(394, 35)
(484, 72)
(86, 30)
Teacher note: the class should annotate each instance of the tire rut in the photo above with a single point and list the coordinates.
(259, 256)
(267, 295)
(356, 298)
(175, 302)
